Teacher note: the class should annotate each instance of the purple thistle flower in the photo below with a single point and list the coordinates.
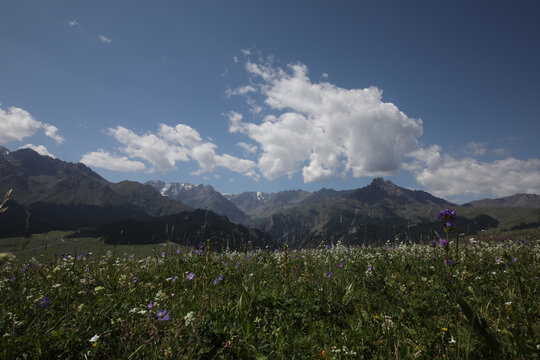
(340, 265)
(329, 275)
(191, 276)
(43, 303)
(163, 315)
(218, 279)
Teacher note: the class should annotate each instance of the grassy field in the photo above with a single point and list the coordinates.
(55, 243)
(474, 299)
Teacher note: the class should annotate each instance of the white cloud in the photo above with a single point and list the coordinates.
(73, 23)
(324, 130)
(324, 75)
(16, 124)
(40, 149)
(246, 52)
(243, 90)
(235, 59)
(444, 175)
(178, 143)
(104, 39)
(50, 131)
(103, 159)
(248, 148)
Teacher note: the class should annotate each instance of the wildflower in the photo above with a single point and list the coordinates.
(135, 279)
(329, 275)
(56, 285)
(188, 319)
(340, 265)
(452, 341)
(174, 278)
(514, 259)
(43, 303)
(12, 279)
(218, 279)
(369, 268)
(448, 217)
(94, 339)
(150, 304)
(163, 315)
(433, 244)
(444, 329)
(443, 242)
(191, 276)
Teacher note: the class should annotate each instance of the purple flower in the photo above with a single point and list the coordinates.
(13, 278)
(150, 304)
(448, 217)
(433, 244)
(443, 242)
(163, 315)
(191, 276)
(178, 251)
(162, 254)
(135, 279)
(329, 275)
(218, 279)
(174, 278)
(449, 262)
(340, 265)
(43, 303)
(369, 268)
(514, 259)
(446, 214)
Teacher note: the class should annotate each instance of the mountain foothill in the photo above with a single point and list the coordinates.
(51, 194)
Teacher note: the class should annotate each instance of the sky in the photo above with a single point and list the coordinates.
(441, 96)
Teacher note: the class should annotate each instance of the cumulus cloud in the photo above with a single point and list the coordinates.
(444, 175)
(73, 23)
(104, 39)
(16, 124)
(40, 149)
(172, 144)
(324, 130)
(105, 160)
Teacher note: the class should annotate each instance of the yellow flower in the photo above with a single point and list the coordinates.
(444, 329)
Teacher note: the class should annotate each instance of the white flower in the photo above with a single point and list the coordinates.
(452, 341)
(94, 338)
(56, 285)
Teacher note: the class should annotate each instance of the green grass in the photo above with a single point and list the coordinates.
(47, 246)
(397, 302)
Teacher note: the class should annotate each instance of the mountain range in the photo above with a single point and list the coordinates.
(62, 195)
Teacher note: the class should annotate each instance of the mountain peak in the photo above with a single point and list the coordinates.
(4, 151)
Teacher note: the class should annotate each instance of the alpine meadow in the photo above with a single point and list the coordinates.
(259, 180)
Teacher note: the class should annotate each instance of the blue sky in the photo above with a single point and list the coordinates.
(276, 95)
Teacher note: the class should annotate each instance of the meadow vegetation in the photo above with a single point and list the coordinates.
(466, 299)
